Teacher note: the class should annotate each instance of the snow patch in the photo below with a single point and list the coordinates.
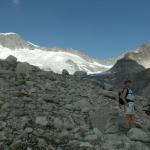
(9, 33)
(32, 44)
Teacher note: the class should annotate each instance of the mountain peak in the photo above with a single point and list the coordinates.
(14, 41)
(141, 55)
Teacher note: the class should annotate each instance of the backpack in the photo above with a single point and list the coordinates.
(121, 102)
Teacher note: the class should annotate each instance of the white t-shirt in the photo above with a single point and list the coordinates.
(130, 95)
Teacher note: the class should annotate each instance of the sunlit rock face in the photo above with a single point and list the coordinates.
(141, 55)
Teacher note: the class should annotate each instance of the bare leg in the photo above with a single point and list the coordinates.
(127, 121)
(132, 121)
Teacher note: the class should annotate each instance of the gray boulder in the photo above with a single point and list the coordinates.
(138, 135)
(138, 146)
(11, 59)
(23, 70)
(108, 87)
(83, 105)
(80, 74)
(22, 67)
(116, 142)
(65, 72)
(100, 117)
(41, 120)
(58, 123)
(2, 136)
(2, 125)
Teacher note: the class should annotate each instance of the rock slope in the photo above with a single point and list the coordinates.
(42, 110)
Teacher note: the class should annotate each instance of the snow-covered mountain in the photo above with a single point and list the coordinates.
(55, 59)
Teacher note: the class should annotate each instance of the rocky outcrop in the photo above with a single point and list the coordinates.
(65, 72)
(141, 55)
(126, 69)
(138, 135)
(80, 74)
(127, 65)
(49, 111)
(14, 41)
(23, 69)
(11, 60)
(123, 70)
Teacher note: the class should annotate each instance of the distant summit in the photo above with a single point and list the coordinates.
(126, 65)
(14, 41)
(141, 55)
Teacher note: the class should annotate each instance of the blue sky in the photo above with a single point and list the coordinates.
(99, 28)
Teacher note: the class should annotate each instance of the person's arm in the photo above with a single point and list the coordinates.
(124, 96)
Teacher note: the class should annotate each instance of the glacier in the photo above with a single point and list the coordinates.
(52, 60)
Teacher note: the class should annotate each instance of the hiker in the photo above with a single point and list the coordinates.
(128, 99)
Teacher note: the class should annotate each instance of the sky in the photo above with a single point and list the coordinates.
(99, 28)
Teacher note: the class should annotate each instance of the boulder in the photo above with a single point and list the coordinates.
(2, 136)
(28, 130)
(100, 118)
(79, 145)
(23, 68)
(112, 126)
(41, 120)
(91, 138)
(49, 99)
(2, 125)
(110, 94)
(82, 104)
(138, 146)
(80, 74)
(58, 123)
(42, 143)
(85, 145)
(11, 60)
(98, 133)
(18, 145)
(65, 72)
(108, 87)
(136, 134)
(116, 142)
(68, 123)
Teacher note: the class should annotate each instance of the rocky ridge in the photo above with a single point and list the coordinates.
(42, 110)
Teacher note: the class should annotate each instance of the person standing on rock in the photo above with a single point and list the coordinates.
(128, 98)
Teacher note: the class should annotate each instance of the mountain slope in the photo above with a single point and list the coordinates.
(55, 59)
(124, 69)
(49, 111)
